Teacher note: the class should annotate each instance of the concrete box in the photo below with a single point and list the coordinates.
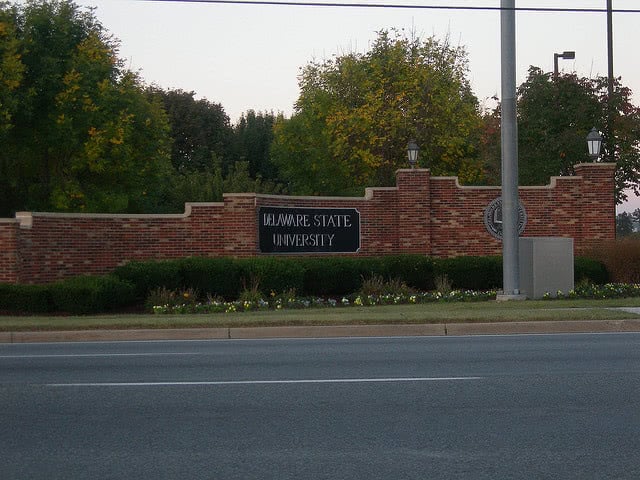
(546, 266)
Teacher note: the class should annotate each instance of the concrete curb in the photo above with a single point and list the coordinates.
(441, 329)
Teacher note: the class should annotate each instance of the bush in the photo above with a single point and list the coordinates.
(417, 271)
(587, 270)
(334, 275)
(213, 276)
(621, 259)
(91, 294)
(269, 274)
(146, 276)
(472, 273)
(25, 298)
(378, 286)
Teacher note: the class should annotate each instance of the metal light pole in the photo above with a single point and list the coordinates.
(610, 45)
(509, 142)
(610, 131)
(556, 56)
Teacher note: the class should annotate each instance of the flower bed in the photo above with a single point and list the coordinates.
(291, 301)
(279, 302)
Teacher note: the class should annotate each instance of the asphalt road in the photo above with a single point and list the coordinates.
(491, 407)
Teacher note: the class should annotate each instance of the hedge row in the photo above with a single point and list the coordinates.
(325, 276)
(79, 295)
(227, 278)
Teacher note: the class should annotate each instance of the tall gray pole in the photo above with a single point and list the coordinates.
(509, 141)
(610, 130)
(610, 45)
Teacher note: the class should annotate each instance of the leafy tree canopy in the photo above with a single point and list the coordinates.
(253, 135)
(80, 134)
(554, 118)
(200, 130)
(356, 113)
(624, 224)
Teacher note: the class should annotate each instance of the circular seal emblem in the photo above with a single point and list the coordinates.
(493, 218)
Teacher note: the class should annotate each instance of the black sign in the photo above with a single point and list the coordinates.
(308, 230)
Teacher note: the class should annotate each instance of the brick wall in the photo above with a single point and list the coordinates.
(422, 214)
(9, 261)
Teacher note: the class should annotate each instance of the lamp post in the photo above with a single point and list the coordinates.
(566, 55)
(594, 144)
(412, 152)
(509, 154)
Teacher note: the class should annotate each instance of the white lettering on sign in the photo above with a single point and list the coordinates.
(286, 220)
(303, 239)
(335, 221)
(306, 229)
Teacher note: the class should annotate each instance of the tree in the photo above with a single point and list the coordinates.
(85, 137)
(635, 218)
(200, 130)
(356, 113)
(11, 68)
(253, 135)
(624, 224)
(11, 74)
(554, 118)
(210, 185)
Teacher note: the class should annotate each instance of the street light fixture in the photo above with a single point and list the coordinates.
(566, 55)
(594, 143)
(412, 152)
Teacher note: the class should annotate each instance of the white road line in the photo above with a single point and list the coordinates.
(99, 355)
(266, 382)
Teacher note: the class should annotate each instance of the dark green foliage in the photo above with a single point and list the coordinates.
(91, 294)
(200, 130)
(624, 224)
(215, 276)
(587, 270)
(417, 271)
(269, 274)
(149, 275)
(78, 132)
(471, 273)
(554, 117)
(25, 298)
(229, 278)
(334, 275)
(253, 135)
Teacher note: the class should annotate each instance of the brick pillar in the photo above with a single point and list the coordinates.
(240, 224)
(597, 203)
(414, 211)
(9, 257)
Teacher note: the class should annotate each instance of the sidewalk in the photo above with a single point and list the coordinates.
(443, 329)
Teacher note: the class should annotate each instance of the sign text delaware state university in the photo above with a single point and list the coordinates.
(308, 230)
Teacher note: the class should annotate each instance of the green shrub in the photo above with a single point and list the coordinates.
(472, 273)
(376, 285)
(214, 276)
(589, 270)
(417, 271)
(146, 276)
(270, 274)
(163, 296)
(91, 294)
(25, 298)
(334, 275)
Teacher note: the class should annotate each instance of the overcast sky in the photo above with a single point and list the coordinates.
(249, 56)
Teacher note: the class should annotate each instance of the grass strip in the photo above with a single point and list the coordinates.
(459, 312)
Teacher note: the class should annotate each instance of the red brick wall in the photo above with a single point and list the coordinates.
(422, 214)
(9, 261)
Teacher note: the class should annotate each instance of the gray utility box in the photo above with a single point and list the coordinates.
(546, 266)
